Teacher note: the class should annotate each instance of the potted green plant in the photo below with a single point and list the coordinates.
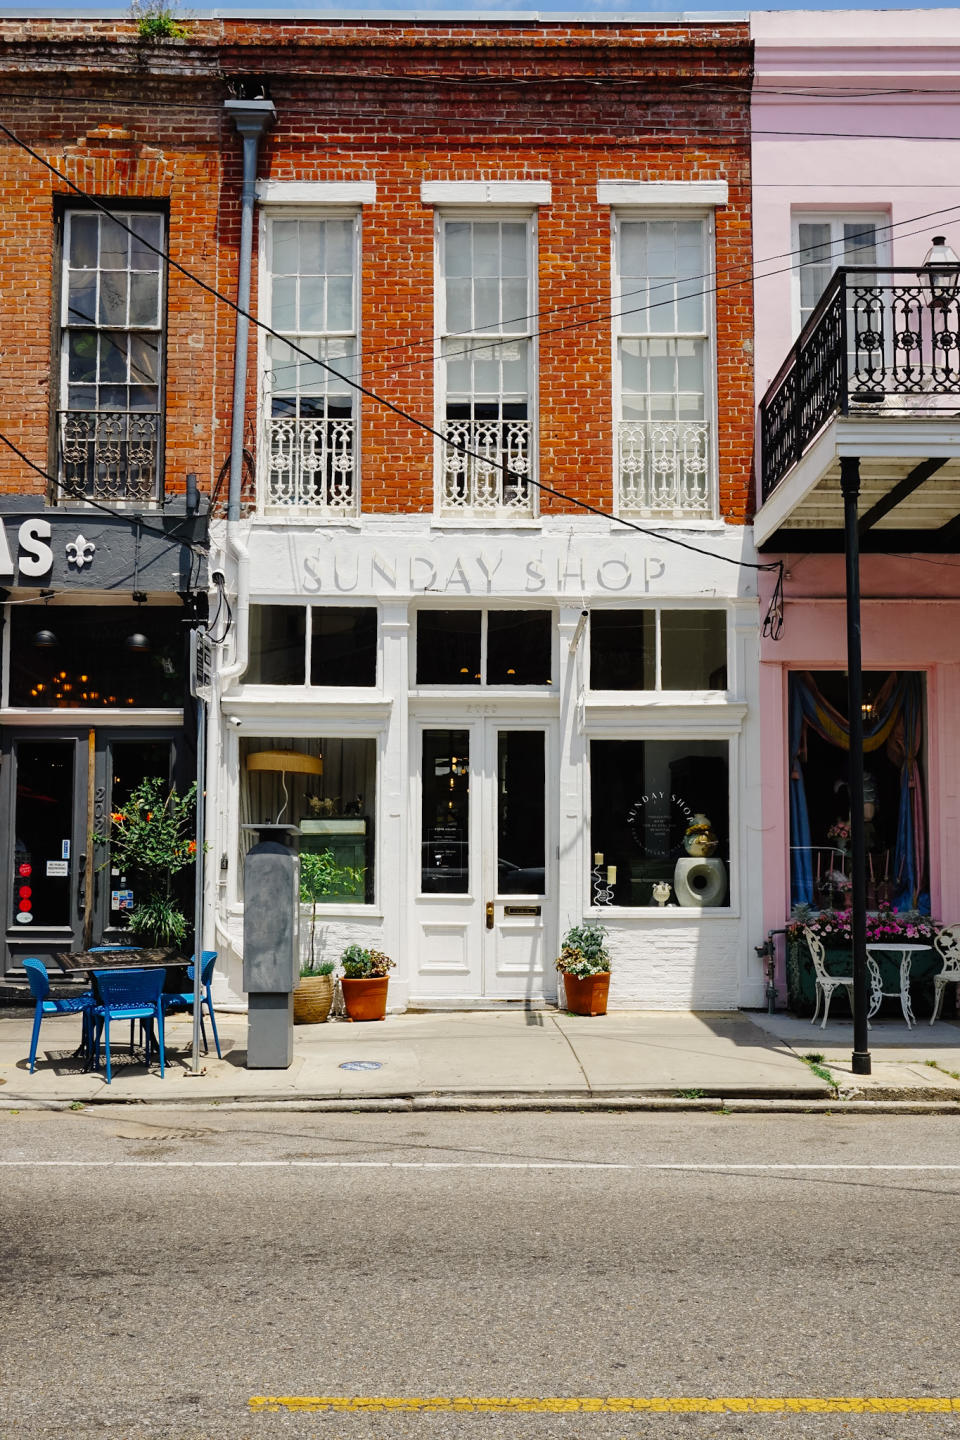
(364, 982)
(584, 963)
(313, 993)
(151, 837)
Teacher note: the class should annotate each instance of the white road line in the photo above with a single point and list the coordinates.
(706, 1166)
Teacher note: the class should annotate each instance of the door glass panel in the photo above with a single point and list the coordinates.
(521, 842)
(445, 828)
(44, 821)
(130, 762)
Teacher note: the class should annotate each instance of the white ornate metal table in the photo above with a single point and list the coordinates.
(877, 993)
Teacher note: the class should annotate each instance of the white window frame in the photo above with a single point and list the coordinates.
(638, 697)
(528, 214)
(680, 722)
(706, 215)
(836, 219)
(315, 514)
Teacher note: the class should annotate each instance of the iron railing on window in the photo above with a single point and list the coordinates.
(310, 466)
(664, 469)
(110, 454)
(874, 345)
(475, 462)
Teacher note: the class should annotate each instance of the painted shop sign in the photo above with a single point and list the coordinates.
(478, 572)
(34, 556)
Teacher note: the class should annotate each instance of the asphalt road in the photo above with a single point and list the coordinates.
(170, 1266)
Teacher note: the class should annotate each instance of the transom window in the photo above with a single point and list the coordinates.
(333, 645)
(111, 359)
(311, 420)
(476, 647)
(486, 305)
(662, 318)
(648, 649)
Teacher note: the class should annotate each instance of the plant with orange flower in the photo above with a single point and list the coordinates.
(151, 836)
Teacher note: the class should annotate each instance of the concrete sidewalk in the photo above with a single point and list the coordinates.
(474, 1058)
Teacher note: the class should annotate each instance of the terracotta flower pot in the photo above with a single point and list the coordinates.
(312, 999)
(365, 999)
(587, 996)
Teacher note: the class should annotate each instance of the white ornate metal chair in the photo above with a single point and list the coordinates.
(826, 983)
(947, 942)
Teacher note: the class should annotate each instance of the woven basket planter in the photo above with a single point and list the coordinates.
(312, 999)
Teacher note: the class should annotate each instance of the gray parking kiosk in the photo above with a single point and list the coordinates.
(271, 943)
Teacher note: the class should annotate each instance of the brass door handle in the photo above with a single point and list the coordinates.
(489, 914)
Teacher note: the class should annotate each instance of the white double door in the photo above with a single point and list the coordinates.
(484, 872)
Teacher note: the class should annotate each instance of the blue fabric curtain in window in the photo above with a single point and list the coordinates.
(896, 722)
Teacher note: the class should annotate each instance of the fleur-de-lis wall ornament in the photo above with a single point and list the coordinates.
(80, 552)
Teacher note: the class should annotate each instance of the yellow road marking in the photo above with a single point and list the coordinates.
(626, 1404)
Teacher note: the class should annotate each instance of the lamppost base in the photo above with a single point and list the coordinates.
(860, 1062)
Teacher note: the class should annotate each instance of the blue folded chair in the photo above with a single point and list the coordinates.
(127, 995)
(75, 1005)
(183, 999)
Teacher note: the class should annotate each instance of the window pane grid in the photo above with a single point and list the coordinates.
(310, 425)
(112, 318)
(664, 432)
(485, 293)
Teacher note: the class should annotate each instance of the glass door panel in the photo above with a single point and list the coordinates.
(445, 813)
(44, 865)
(521, 817)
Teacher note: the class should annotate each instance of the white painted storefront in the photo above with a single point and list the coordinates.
(481, 802)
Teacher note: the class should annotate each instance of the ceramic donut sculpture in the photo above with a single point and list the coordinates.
(700, 881)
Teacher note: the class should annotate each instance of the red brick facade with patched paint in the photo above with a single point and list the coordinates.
(399, 104)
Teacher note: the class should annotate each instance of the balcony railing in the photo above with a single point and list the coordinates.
(310, 466)
(664, 469)
(474, 479)
(874, 345)
(110, 454)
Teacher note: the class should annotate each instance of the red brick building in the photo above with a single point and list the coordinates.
(506, 269)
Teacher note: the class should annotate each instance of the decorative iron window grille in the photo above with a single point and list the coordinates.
(874, 345)
(310, 465)
(475, 466)
(110, 455)
(664, 468)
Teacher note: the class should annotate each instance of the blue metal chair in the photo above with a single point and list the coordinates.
(127, 995)
(40, 990)
(117, 950)
(183, 999)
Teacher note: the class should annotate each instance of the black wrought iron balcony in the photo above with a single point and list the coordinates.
(110, 454)
(875, 345)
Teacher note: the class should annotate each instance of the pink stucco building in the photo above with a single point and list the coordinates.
(854, 167)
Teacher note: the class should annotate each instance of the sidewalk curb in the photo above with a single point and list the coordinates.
(511, 1102)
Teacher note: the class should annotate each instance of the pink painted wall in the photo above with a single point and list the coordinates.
(852, 52)
(853, 150)
(910, 621)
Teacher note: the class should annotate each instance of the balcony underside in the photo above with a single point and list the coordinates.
(910, 488)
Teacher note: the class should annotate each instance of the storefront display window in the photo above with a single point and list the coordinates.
(660, 833)
(647, 649)
(327, 787)
(91, 656)
(895, 801)
(497, 647)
